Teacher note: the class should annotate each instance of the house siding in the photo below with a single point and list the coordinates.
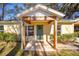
(11, 29)
(47, 29)
(67, 28)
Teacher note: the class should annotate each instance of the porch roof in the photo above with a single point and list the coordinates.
(40, 7)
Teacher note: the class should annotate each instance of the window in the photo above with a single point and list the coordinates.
(76, 28)
(30, 30)
(58, 29)
(1, 29)
(39, 32)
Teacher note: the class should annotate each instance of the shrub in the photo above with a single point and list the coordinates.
(67, 37)
(10, 37)
(60, 38)
(1, 36)
(51, 36)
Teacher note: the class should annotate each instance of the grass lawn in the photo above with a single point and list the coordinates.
(65, 52)
(19, 53)
(7, 48)
(10, 49)
(69, 53)
(2, 45)
(14, 49)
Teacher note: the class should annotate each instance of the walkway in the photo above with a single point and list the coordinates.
(38, 48)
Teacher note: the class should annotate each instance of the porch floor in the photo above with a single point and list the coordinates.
(39, 47)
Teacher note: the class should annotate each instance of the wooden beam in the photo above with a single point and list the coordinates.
(55, 34)
(49, 21)
(23, 38)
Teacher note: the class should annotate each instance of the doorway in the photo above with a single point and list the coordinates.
(39, 32)
(34, 32)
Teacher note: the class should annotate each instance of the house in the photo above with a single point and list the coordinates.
(39, 22)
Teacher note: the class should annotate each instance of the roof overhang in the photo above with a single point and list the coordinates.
(39, 6)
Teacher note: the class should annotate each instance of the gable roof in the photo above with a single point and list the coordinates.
(39, 6)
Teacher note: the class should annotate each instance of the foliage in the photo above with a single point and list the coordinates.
(9, 10)
(65, 37)
(8, 36)
(19, 53)
(51, 36)
(1, 36)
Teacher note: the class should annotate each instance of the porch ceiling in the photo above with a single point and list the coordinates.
(38, 21)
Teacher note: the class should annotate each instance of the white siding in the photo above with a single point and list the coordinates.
(67, 28)
(11, 29)
(52, 29)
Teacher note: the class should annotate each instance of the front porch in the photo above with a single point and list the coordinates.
(38, 17)
(38, 30)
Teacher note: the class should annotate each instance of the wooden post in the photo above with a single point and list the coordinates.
(23, 41)
(55, 33)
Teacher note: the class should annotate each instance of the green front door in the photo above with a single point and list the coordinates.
(39, 32)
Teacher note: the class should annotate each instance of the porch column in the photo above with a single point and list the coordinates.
(23, 41)
(35, 32)
(55, 33)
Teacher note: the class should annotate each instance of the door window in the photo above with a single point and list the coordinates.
(39, 31)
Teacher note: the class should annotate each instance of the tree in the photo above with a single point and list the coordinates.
(69, 9)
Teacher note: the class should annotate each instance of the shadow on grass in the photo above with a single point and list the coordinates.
(15, 50)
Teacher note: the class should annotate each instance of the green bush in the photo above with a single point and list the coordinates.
(1, 36)
(67, 37)
(51, 36)
(8, 36)
(60, 38)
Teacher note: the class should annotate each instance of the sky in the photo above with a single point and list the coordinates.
(11, 6)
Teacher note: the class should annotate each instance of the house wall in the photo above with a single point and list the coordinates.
(11, 29)
(48, 29)
(67, 28)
